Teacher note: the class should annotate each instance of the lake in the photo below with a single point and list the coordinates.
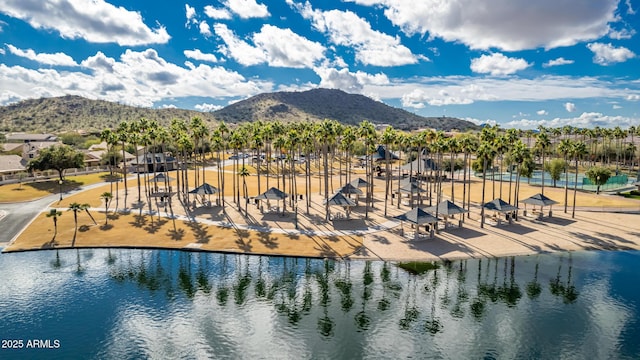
(130, 303)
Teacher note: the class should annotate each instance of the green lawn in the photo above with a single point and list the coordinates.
(35, 190)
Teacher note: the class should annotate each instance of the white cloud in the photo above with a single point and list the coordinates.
(557, 62)
(208, 107)
(509, 25)
(2, 25)
(2, 52)
(616, 107)
(196, 54)
(218, 14)
(607, 54)
(57, 59)
(622, 34)
(94, 21)
(570, 107)
(630, 9)
(247, 8)
(354, 82)
(633, 97)
(585, 120)
(138, 78)
(542, 112)
(418, 97)
(497, 64)
(168, 106)
(372, 47)
(191, 15)
(205, 29)
(272, 45)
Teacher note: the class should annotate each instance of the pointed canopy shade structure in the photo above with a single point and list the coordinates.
(539, 200)
(161, 178)
(339, 199)
(359, 183)
(500, 206)
(417, 216)
(350, 189)
(411, 187)
(446, 208)
(272, 194)
(204, 189)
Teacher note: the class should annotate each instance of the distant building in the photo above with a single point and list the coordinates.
(32, 149)
(24, 137)
(154, 163)
(12, 164)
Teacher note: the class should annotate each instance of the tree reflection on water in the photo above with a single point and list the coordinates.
(321, 291)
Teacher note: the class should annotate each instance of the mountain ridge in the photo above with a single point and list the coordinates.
(74, 113)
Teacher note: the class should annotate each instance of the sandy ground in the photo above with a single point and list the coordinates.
(261, 231)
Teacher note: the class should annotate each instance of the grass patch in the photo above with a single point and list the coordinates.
(633, 194)
(38, 189)
(418, 267)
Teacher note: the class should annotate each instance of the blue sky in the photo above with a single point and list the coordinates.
(517, 63)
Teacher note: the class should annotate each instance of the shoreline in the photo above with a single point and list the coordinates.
(232, 229)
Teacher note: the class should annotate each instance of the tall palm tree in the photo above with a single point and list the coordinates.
(106, 197)
(564, 149)
(542, 144)
(485, 154)
(501, 146)
(54, 214)
(111, 138)
(388, 137)
(75, 207)
(367, 132)
(468, 145)
(453, 145)
(122, 132)
(243, 173)
(578, 149)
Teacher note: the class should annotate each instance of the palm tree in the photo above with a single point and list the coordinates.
(106, 196)
(542, 144)
(367, 132)
(468, 144)
(388, 137)
(75, 207)
(501, 146)
(327, 133)
(564, 148)
(122, 133)
(578, 149)
(111, 139)
(485, 154)
(54, 213)
(243, 173)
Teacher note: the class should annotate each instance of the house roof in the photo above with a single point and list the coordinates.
(10, 163)
(11, 146)
(159, 158)
(24, 137)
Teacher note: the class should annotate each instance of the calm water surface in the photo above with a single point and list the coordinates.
(126, 304)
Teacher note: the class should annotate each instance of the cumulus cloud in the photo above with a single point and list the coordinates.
(509, 25)
(216, 13)
(57, 59)
(196, 54)
(138, 78)
(205, 29)
(616, 107)
(418, 97)
(94, 21)
(557, 62)
(208, 107)
(2, 52)
(245, 9)
(585, 120)
(497, 64)
(354, 82)
(191, 15)
(570, 107)
(630, 9)
(372, 47)
(621, 34)
(168, 106)
(542, 112)
(607, 54)
(272, 45)
(633, 97)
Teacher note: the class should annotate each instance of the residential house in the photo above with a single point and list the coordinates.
(25, 138)
(11, 165)
(155, 163)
